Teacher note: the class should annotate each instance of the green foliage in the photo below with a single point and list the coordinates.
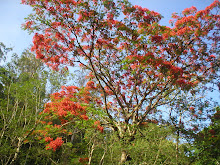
(23, 93)
(206, 147)
(151, 145)
(3, 51)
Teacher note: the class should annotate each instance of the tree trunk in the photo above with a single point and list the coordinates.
(17, 150)
(177, 146)
(123, 157)
(90, 154)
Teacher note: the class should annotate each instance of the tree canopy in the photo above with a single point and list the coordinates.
(136, 65)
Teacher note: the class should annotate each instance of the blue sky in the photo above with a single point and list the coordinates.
(12, 15)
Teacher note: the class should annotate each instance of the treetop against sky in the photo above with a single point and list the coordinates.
(13, 14)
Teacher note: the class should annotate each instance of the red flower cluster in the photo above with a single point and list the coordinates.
(156, 39)
(91, 84)
(48, 139)
(83, 160)
(55, 144)
(190, 10)
(98, 126)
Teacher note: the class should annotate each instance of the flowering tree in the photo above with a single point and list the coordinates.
(135, 64)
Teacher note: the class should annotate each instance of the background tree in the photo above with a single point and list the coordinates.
(135, 63)
(3, 51)
(23, 95)
(3, 73)
(206, 145)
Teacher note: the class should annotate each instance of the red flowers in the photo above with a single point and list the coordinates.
(190, 10)
(48, 139)
(90, 84)
(98, 126)
(156, 39)
(55, 144)
(212, 56)
(83, 160)
(84, 117)
(191, 109)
